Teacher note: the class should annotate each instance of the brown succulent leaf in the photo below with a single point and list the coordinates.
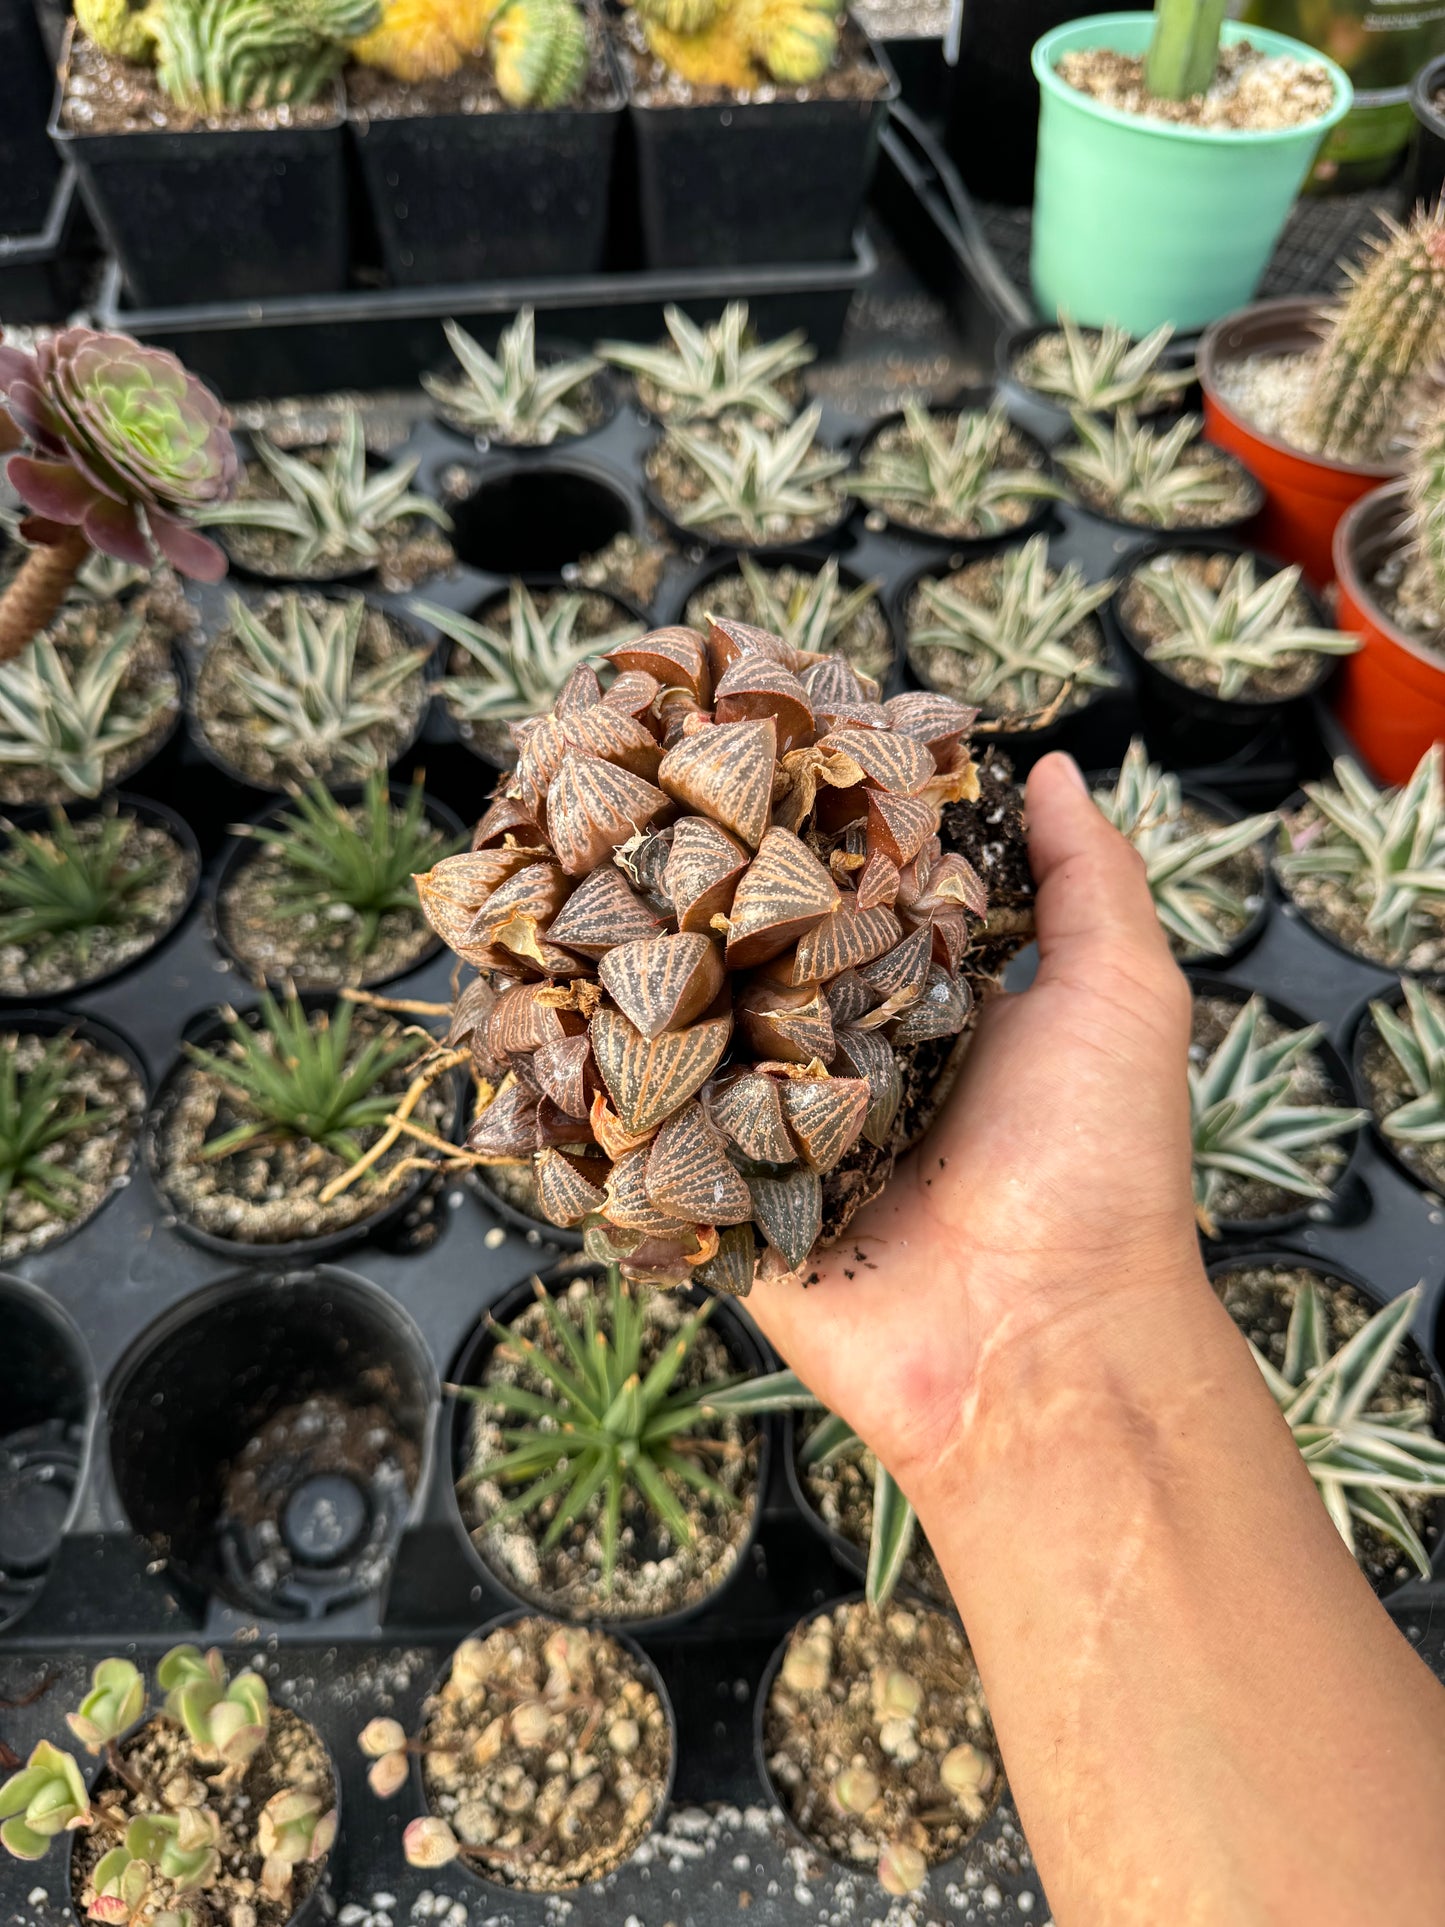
(959, 784)
(788, 1210)
(606, 1244)
(728, 642)
(678, 714)
(941, 1011)
(676, 657)
(628, 1203)
(663, 983)
(792, 1026)
(634, 691)
(616, 737)
(833, 680)
(601, 913)
(667, 1261)
(649, 1078)
(454, 890)
(726, 772)
(609, 1130)
(730, 1269)
(536, 892)
(753, 688)
(582, 690)
(878, 881)
(849, 998)
(594, 806)
(938, 722)
(901, 971)
(785, 893)
(688, 1172)
(538, 761)
(867, 1054)
(569, 1189)
(561, 1069)
(850, 937)
(704, 865)
(519, 1024)
(506, 816)
(747, 1109)
(471, 1012)
(899, 826)
(507, 1129)
(806, 772)
(951, 883)
(889, 761)
(950, 939)
(826, 1116)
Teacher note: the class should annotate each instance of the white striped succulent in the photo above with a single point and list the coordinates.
(1417, 1043)
(1387, 846)
(1150, 477)
(711, 371)
(1363, 1459)
(958, 467)
(1243, 1121)
(508, 395)
(1240, 630)
(69, 724)
(759, 482)
(519, 669)
(1105, 369)
(331, 510)
(818, 612)
(1200, 912)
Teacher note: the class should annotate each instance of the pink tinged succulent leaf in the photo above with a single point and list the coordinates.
(628, 1203)
(16, 365)
(938, 722)
(826, 1115)
(114, 529)
(593, 807)
(788, 1210)
(951, 884)
(55, 490)
(890, 762)
(704, 867)
(688, 1172)
(785, 1024)
(32, 413)
(582, 690)
(834, 681)
(535, 892)
(754, 688)
(429, 1842)
(899, 826)
(634, 692)
(675, 657)
(387, 1776)
(648, 1079)
(878, 882)
(614, 736)
(188, 551)
(663, 983)
(785, 893)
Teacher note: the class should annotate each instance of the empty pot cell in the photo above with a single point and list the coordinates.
(534, 520)
(45, 1406)
(269, 1437)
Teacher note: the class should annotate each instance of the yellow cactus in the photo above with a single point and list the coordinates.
(539, 52)
(117, 28)
(418, 40)
(719, 56)
(794, 39)
(679, 16)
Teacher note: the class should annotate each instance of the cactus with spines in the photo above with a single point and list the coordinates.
(1427, 498)
(1184, 51)
(741, 43)
(419, 40)
(1387, 331)
(117, 28)
(539, 52)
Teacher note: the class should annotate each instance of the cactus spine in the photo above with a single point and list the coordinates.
(1427, 494)
(1185, 49)
(1389, 328)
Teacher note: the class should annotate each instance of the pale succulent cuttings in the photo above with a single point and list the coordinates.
(511, 395)
(520, 669)
(754, 484)
(1104, 369)
(1416, 1040)
(962, 467)
(1152, 478)
(712, 369)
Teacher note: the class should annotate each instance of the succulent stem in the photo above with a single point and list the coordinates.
(1185, 49)
(38, 592)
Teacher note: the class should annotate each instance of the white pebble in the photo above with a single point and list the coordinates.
(351, 1915)
(383, 1901)
(37, 1896)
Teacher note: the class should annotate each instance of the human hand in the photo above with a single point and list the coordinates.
(1052, 1191)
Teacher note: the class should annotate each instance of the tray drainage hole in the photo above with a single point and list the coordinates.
(325, 1519)
(538, 520)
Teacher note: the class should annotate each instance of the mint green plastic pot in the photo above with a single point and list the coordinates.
(1140, 222)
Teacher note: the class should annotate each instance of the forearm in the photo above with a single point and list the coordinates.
(1206, 1716)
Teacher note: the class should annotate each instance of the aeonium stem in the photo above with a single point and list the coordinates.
(37, 595)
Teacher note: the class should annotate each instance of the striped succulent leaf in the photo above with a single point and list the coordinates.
(509, 395)
(1243, 1121)
(758, 481)
(68, 724)
(519, 670)
(1363, 1459)
(1105, 369)
(1146, 475)
(958, 465)
(712, 370)
(1417, 1043)
(1240, 630)
(818, 612)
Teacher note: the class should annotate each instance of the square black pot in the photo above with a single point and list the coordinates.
(738, 183)
(490, 197)
(29, 165)
(43, 275)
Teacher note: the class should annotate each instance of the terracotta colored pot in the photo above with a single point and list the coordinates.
(1391, 696)
(1306, 494)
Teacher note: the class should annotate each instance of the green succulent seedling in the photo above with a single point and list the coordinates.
(1020, 640)
(717, 369)
(1417, 1043)
(225, 1719)
(60, 882)
(1386, 846)
(1181, 864)
(182, 1848)
(1141, 474)
(521, 668)
(758, 482)
(293, 1829)
(1240, 630)
(302, 1078)
(115, 1702)
(601, 1427)
(39, 1109)
(959, 469)
(47, 1797)
(1242, 1120)
(120, 1886)
(816, 615)
(331, 510)
(362, 856)
(1362, 1460)
(1105, 369)
(310, 699)
(509, 397)
(66, 724)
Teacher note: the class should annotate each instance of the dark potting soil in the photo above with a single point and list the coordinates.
(106, 96)
(98, 1158)
(955, 672)
(854, 75)
(407, 551)
(1253, 91)
(679, 485)
(1241, 874)
(70, 959)
(1240, 1199)
(886, 1698)
(654, 1575)
(1386, 1088)
(1290, 675)
(268, 1192)
(842, 1493)
(472, 89)
(161, 1757)
(1259, 1299)
(548, 1751)
(628, 566)
(934, 518)
(865, 642)
(236, 731)
(1243, 499)
(1340, 909)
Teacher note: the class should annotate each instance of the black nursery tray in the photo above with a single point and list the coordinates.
(43, 275)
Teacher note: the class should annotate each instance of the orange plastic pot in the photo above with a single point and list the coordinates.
(1391, 695)
(1305, 495)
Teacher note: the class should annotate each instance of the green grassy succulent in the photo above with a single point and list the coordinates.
(819, 612)
(716, 369)
(509, 397)
(67, 723)
(1416, 1040)
(71, 880)
(1105, 369)
(1242, 630)
(755, 482)
(40, 1108)
(1150, 477)
(957, 469)
(519, 669)
(218, 57)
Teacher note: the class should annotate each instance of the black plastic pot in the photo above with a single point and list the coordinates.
(1040, 513)
(1360, 1030)
(1204, 983)
(1298, 800)
(207, 1030)
(852, 1558)
(1049, 419)
(217, 214)
(726, 183)
(29, 165)
(47, 1395)
(191, 1401)
(243, 850)
(44, 271)
(535, 1230)
(156, 814)
(655, 1680)
(531, 517)
(1427, 158)
(472, 197)
(467, 1370)
(1235, 526)
(725, 563)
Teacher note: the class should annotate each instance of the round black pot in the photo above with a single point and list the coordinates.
(1040, 513)
(1204, 982)
(853, 1559)
(532, 518)
(725, 562)
(550, 350)
(535, 1230)
(467, 1371)
(201, 1384)
(48, 1396)
(817, 547)
(155, 814)
(242, 850)
(1427, 157)
(1235, 525)
(1360, 1028)
(1049, 419)
(1277, 1258)
(207, 1030)
(655, 1680)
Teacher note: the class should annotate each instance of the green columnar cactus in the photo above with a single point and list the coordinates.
(1185, 49)
(1389, 329)
(45, 1798)
(227, 1720)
